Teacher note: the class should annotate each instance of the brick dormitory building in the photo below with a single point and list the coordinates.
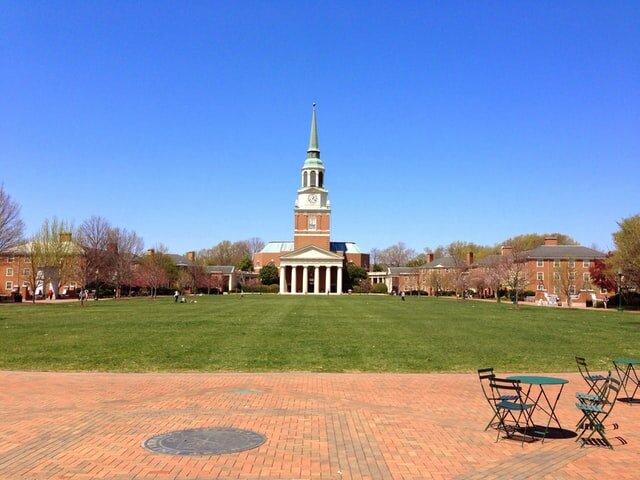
(550, 272)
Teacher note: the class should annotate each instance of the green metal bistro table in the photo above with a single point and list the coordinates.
(542, 402)
(628, 374)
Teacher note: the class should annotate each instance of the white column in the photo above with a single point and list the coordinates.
(294, 278)
(316, 279)
(305, 279)
(283, 279)
(327, 284)
(339, 280)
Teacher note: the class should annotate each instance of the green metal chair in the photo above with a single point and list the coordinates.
(485, 374)
(595, 411)
(593, 398)
(514, 416)
(595, 382)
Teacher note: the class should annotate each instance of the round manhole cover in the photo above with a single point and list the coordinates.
(204, 441)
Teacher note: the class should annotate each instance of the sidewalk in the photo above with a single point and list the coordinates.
(318, 426)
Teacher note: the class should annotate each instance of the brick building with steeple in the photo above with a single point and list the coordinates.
(312, 263)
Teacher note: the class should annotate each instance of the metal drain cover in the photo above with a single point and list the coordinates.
(204, 441)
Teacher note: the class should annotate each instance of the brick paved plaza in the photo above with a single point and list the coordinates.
(318, 426)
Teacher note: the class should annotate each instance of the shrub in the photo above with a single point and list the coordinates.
(379, 288)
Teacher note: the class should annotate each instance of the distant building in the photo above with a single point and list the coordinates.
(311, 263)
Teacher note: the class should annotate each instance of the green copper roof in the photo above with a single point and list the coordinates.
(313, 136)
(313, 152)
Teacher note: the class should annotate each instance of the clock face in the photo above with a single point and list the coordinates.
(313, 198)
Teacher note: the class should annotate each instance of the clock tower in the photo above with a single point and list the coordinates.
(312, 211)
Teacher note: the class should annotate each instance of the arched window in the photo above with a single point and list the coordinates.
(304, 179)
(313, 179)
(320, 179)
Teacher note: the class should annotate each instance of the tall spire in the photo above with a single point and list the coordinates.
(313, 136)
(313, 153)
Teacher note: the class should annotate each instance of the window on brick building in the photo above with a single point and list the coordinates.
(585, 276)
(585, 263)
(572, 264)
(572, 289)
(9, 272)
(556, 263)
(10, 259)
(8, 286)
(540, 275)
(540, 287)
(312, 222)
(540, 263)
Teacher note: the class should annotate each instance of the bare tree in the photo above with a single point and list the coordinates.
(227, 253)
(11, 225)
(33, 257)
(565, 278)
(396, 255)
(94, 237)
(513, 269)
(125, 247)
(254, 245)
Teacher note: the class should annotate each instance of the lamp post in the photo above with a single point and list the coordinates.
(97, 285)
(619, 289)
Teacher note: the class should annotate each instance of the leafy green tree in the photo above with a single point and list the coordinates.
(354, 275)
(269, 274)
(530, 241)
(246, 264)
(417, 261)
(626, 258)
(57, 254)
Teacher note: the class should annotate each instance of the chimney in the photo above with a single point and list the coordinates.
(470, 258)
(506, 250)
(551, 241)
(429, 257)
(191, 256)
(65, 236)
(151, 251)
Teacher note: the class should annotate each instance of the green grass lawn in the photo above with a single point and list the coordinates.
(310, 333)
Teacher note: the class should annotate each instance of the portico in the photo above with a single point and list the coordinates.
(311, 270)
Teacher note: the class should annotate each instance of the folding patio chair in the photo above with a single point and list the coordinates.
(595, 382)
(596, 413)
(593, 398)
(514, 416)
(485, 374)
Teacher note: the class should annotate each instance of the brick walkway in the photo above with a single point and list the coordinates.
(318, 426)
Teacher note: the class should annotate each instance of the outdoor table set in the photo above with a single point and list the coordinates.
(524, 406)
(625, 367)
(514, 408)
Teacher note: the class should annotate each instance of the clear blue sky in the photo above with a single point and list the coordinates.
(188, 122)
